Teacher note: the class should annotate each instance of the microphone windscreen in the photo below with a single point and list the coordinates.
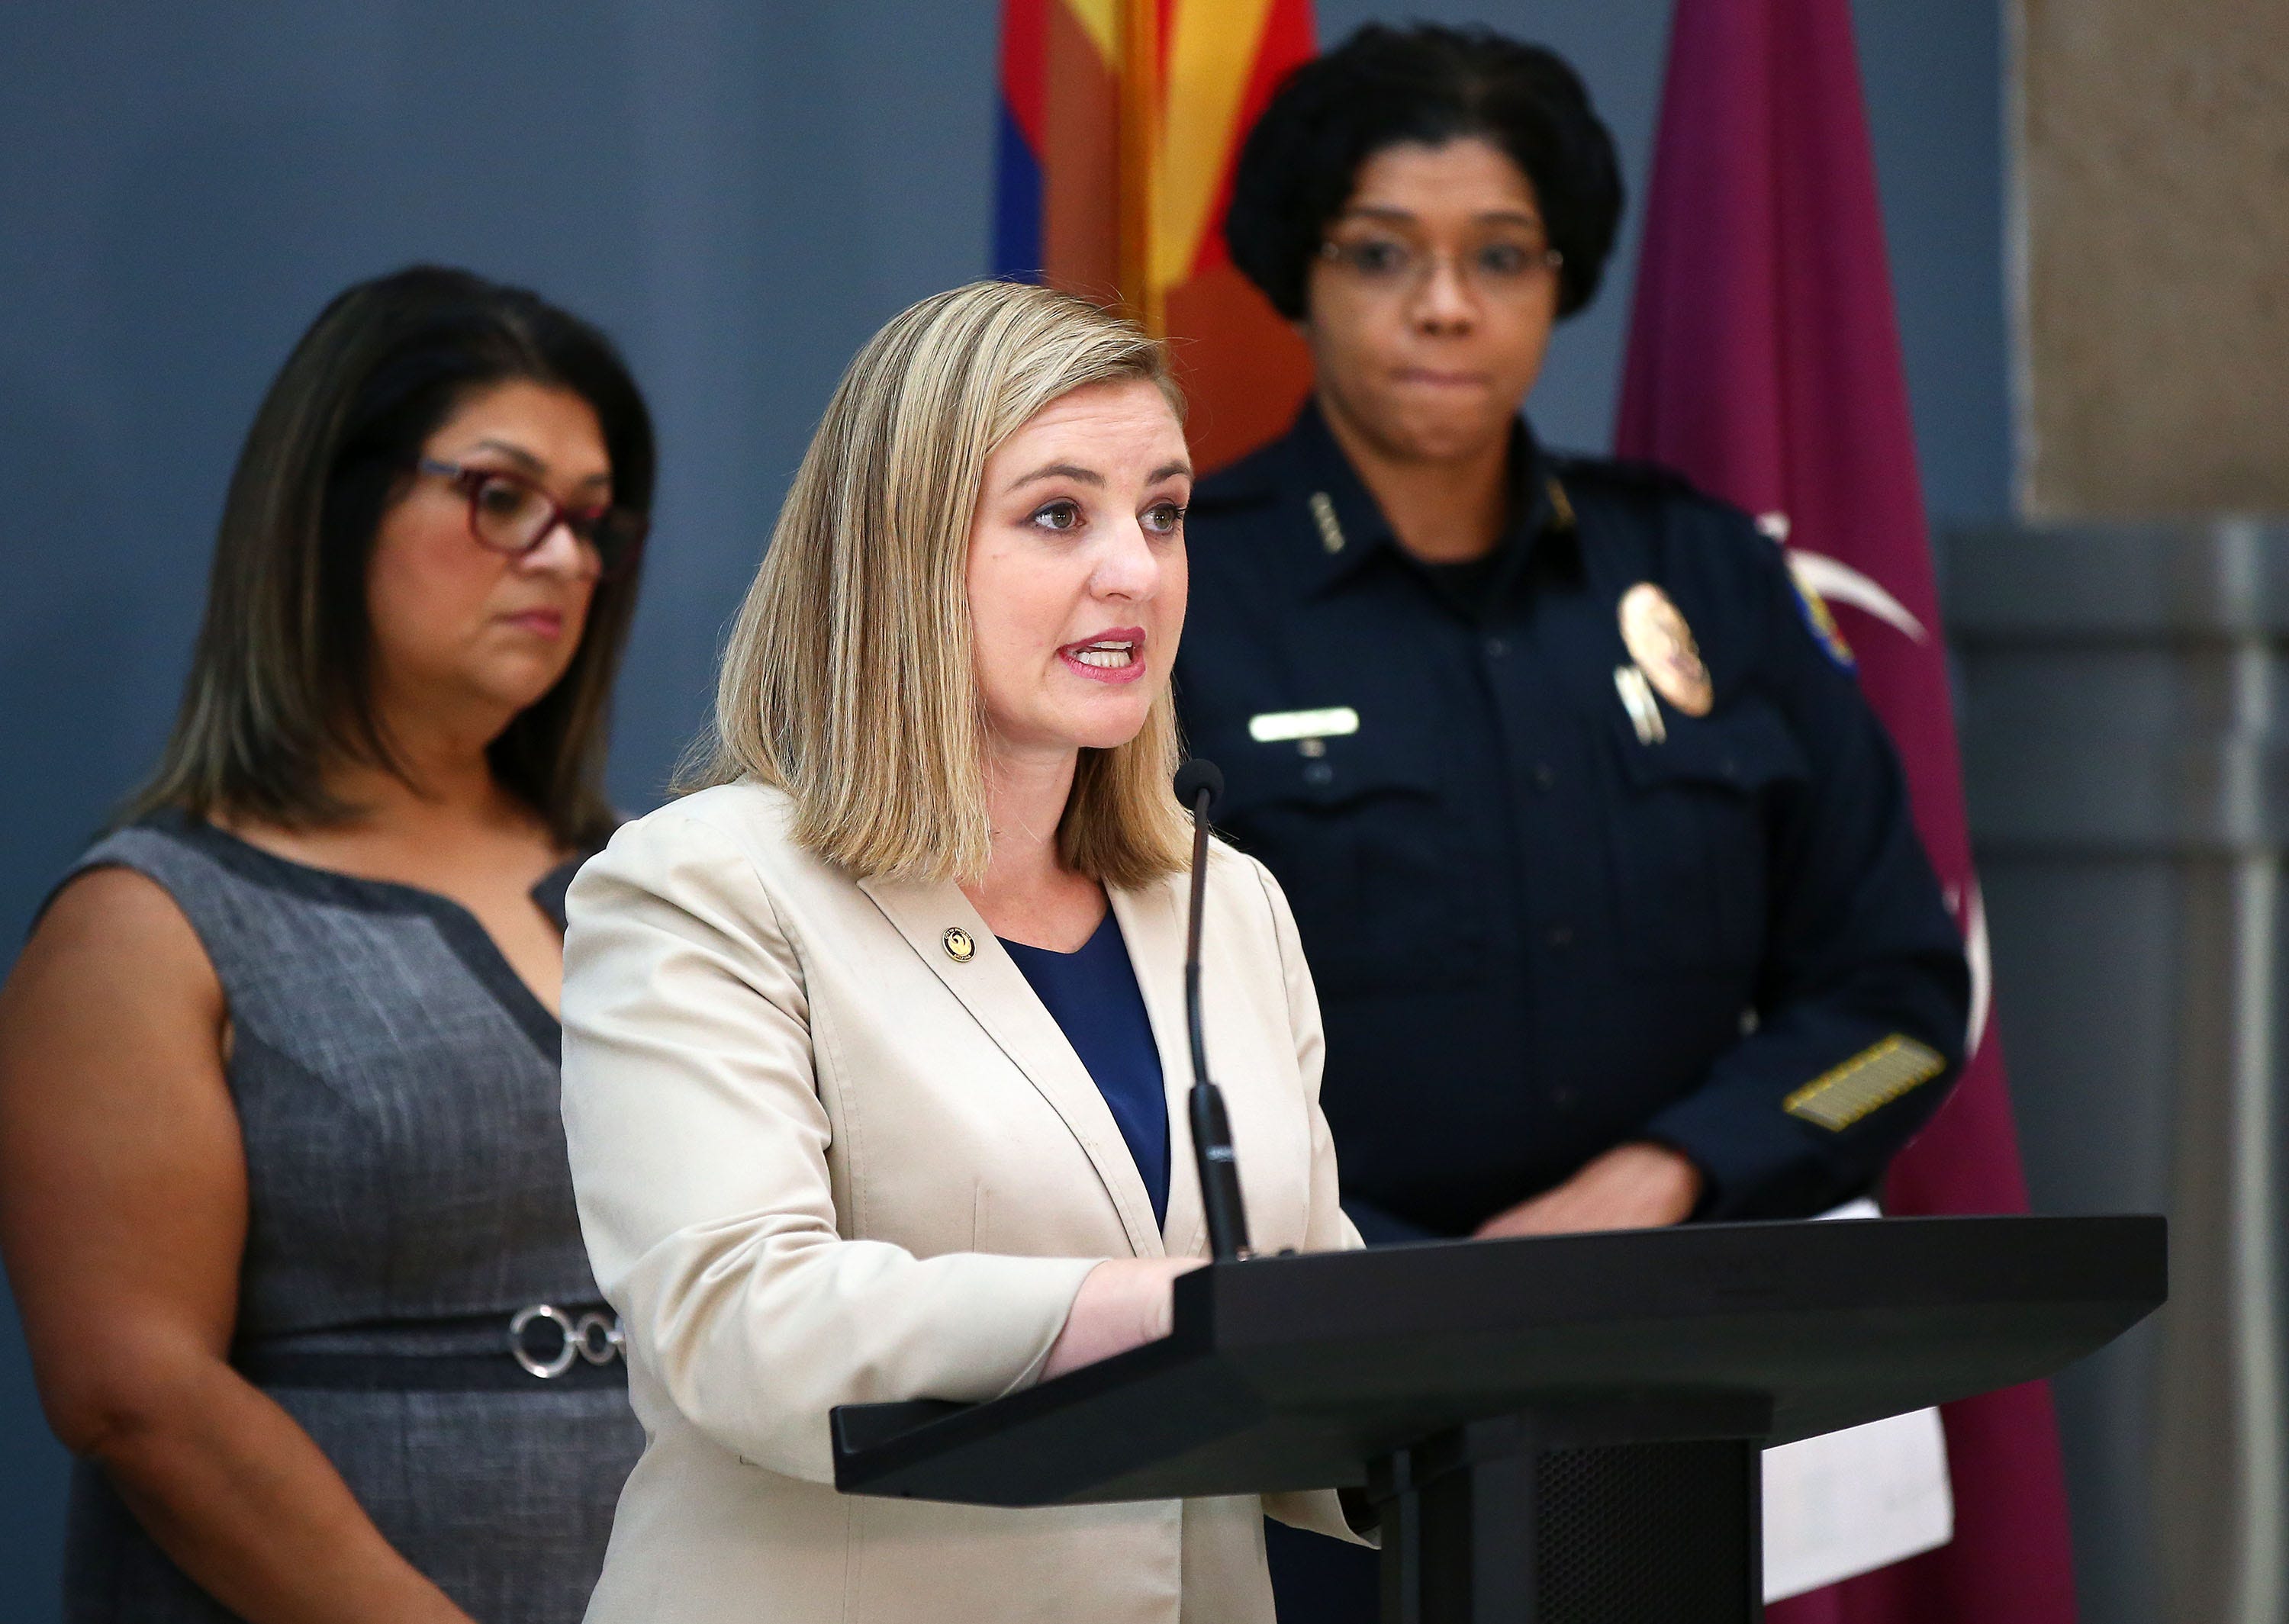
(1197, 774)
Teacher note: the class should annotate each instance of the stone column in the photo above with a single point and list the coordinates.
(2124, 655)
(2123, 756)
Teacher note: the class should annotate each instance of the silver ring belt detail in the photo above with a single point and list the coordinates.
(593, 1336)
(547, 1347)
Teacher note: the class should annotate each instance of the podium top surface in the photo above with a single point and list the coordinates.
(1294, 1372)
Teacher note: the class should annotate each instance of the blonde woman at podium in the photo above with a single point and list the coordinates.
(869, 1043)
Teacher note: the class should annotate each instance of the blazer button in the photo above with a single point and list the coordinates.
(959, 946)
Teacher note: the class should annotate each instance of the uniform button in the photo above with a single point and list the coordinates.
(1561, 936)
(1545, 777)
(1497, 647)
(1562, 1098)
(1318, 773)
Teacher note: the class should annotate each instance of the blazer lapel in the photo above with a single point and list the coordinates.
(1152, 923)
(994, 991)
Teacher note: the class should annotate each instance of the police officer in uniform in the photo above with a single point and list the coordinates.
(1604, 867)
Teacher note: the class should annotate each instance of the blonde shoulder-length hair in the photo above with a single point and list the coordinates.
(849, 681)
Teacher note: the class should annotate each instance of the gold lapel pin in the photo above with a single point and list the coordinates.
(959, 946)
(1561, 508)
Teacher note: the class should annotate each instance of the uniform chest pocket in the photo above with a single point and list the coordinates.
(1691, 835)
(1360, 832)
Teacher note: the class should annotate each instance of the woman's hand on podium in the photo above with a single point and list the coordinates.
(1123, 1303)
(1635, 1186)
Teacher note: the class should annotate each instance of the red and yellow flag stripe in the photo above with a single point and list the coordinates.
(1121, 123)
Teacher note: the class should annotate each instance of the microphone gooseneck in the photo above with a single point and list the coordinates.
(1199, 784)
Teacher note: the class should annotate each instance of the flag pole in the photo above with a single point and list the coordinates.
(1139, 153)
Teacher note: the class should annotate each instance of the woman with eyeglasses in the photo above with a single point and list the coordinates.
(1607, 866)
(284, 1194)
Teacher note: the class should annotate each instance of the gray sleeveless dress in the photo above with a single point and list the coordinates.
(397, 1088)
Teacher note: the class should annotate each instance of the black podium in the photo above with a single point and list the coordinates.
(1560, 1430)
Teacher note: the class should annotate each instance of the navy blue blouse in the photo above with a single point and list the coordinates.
(1093, 996)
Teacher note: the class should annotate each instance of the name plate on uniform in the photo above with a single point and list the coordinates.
(1279, 727)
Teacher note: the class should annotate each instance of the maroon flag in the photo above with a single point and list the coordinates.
(1763, 364)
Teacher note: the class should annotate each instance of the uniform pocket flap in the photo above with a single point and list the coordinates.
(1322, 772)
(1745, 747)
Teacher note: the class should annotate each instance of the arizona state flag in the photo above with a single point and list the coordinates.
(1120, 123)
(1763, 364)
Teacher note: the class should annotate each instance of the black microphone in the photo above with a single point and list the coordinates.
(1199, 784)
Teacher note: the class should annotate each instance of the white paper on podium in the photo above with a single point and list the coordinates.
(1851, 1501)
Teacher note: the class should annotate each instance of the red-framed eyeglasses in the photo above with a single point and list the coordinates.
(510, 514)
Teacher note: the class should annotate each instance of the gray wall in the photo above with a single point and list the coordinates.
(740, 192)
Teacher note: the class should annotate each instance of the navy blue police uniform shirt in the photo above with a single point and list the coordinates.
(1541, 922)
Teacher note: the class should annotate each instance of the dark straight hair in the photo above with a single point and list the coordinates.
(280, 686)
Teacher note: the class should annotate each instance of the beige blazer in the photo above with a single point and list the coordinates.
(821, 1161)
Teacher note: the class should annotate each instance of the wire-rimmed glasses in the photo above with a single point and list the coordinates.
(1386, 263)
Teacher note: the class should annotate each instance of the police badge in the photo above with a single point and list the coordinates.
(1662, 644)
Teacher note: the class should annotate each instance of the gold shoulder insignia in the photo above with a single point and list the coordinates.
(1875, 1077)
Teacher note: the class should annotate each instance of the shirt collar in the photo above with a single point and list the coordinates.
(1349, 527)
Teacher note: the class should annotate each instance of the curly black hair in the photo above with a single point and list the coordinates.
(1384, 87)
